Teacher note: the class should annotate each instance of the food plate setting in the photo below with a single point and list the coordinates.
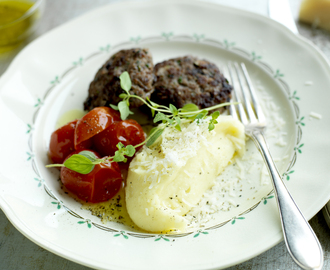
(50, 79)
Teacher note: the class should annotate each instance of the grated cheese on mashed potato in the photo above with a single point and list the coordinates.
(169, 178)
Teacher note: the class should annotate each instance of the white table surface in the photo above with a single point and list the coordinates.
(18, 252)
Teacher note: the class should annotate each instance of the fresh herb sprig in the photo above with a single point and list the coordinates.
(170, 116)
(85, 161)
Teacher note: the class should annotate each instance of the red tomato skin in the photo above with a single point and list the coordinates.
(128, 132)
(93, 123)
(99, 185)
(62, 142)
(87, 144)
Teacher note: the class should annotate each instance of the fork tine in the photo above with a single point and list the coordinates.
(228, 76)
(240, 107)
(260, 115)
(245, 95)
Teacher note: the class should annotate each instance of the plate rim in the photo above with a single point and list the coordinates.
(3, 205)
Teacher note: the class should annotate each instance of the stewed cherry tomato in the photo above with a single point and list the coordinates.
(101, 184)
(93, 123)
(128, 132)
(62, 142)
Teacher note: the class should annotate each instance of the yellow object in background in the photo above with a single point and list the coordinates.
(16, 22)
(316, 13)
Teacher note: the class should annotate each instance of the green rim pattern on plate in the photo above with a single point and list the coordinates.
(167, 37)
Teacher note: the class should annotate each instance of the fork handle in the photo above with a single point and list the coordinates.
(299, 237)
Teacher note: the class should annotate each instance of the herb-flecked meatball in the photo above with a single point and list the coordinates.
(188, 79)
(105, 88)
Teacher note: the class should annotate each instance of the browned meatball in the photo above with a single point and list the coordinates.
(188, 79)
(105, 88)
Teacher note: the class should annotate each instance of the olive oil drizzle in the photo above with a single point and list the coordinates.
(113, 210)
(10, 11)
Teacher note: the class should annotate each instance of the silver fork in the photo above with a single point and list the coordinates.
(299, 237)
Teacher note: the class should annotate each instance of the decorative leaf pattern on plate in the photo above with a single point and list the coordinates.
(236, 218)
(40, 181)
(123, 233)
(300, 121)
(79, 62)
(87, 221)
(267, 198)
(287, 176)
(228, 44)
(106, 48)
(200, 232)
(168, 36)
(298, 148)
(255, 57)
(162, 237)
(58, 204)
(294, 96)
(199, 38)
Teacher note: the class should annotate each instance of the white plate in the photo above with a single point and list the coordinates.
(52, 75)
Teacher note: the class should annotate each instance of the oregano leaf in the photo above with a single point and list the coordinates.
(178, 123)
(215, 115)
(125, 81)
(173, 110)
(201, 115)
(169, 120)
(154, 136)
(152, 130)
(120, 145)
(190, 107)
(114, 107)
(159, 117)
(122, 95)
(153, 104)
(90, 155)
(123, 109)
(119, 157)
(79, 163)
(130, 150)
(178, 127)
(177, 120)
(211, 126)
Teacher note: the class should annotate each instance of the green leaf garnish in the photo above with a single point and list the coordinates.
(211, 126)
(90, 155)
(213, 121)
(173, 110)
(130, 150)
(119, 157)
(215, 115)
(125, 81)
(190, 107)
(114, 107)
(200, 115)
(178, 123)
(154, 136)
(152, 103)
(85, 161)
(123, 151)
(124, 109)
(79, 163)
(122, 95)
(159, 117)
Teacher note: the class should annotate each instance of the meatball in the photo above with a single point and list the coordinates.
(188, 79)
(105, 88)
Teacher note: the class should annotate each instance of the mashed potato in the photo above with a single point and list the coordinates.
(167, 179)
